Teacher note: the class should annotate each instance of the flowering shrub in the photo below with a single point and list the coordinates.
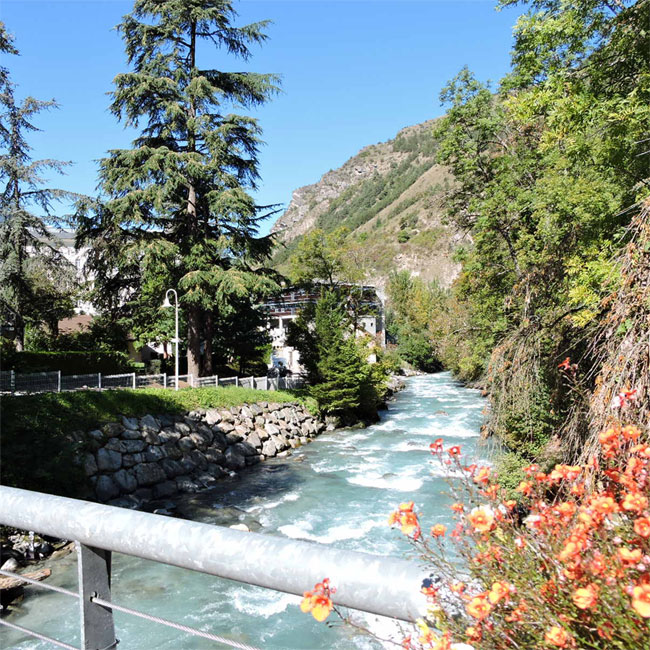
(318, 601)
(566, 566)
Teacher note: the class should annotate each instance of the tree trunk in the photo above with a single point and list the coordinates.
(208, 332)
(19, 333)
(194, 341)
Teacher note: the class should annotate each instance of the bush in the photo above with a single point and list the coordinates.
(70, 363)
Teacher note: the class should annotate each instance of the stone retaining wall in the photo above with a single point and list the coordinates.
(153, 457)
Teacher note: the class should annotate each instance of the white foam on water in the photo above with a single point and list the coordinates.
(396, 483)
(269, 505)
(265, 603)
(333, 534)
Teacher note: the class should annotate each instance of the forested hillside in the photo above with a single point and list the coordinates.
(389, 197)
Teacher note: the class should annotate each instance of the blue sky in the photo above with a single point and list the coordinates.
(354, 73)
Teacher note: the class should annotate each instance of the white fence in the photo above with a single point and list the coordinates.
(52, 382)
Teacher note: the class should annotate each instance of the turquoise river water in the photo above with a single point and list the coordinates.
(339, 490)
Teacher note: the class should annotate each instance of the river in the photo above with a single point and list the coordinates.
(339, 490)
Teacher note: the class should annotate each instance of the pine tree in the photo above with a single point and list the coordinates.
(33, 274)
(177, 203)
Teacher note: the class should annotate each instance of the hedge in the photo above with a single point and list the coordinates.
(69, 363)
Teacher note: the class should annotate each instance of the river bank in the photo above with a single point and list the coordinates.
(337, 490)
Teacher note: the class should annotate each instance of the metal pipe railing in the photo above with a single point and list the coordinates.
(371, 583)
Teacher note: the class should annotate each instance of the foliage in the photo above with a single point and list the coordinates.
(341, 381)
(70, 362)
(413, 319)
(37, 284)
(177, 212)
(565, 566)
(37, 429)
(547, 171)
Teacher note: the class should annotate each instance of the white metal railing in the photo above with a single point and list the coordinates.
(379, 585)
(49, 382)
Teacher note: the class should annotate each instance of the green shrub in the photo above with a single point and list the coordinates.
(70, 363)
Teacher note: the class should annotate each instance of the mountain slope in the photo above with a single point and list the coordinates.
(389, 197)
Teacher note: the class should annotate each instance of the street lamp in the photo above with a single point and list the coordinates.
(168, 304)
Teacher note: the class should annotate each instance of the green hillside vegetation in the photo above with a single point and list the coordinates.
(394, 210)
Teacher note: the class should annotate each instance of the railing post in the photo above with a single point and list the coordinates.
(12, 381)
(266, 383)
(165, 380)
(97, 627)
(216, 381)
(133, 379)
(99, 380)
(237, 380)
(58, 381)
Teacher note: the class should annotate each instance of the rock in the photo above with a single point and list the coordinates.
(226, 416)
(186, 484)
(187, 464)
(151, 437)
(125, 480)
(129, 502)
(172, 451)
(242, 527)
(96, 434)
(115, 444)
(182, 428)
(255, 410)
(246, 412)
(245, 449)
(234, 410)
(233, 438)
(269, 449)
(108, 460)
(254, 440)
(149, 423)
(212, 416)
(143, 494)
(219, 440)
(186, 444)
(168, 435)
(234, 458)
(252, 460)
(153, 454)
(63, 551)
(106, 488)
(149, 474)
(271, 429)
(130, 423)
(284, 454)
(216, 470)
(10, 565)
(195, 415)
(171, 468)
(206, 480)
(166, 421)
(90, 466)
(262, 433)
(199, 440)
(279, 442)
(133, 446)
(241, 430)
(215, 456)
(131, 434)
(164, 489)
(112, 429)
(198, 459)
(226, 427)
(303, 440)
(205, 432)
(190, 423)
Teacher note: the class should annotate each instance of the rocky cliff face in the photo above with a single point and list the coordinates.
(389, 197)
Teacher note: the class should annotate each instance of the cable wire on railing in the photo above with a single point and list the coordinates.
(42, 637)
(177, 626)
(61, 590)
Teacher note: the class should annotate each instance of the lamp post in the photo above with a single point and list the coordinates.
(168, 304)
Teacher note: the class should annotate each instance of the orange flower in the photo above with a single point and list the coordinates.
(454, 451)
(474, 633)
(318, 602)
(585, 597)
(436, 446)
(482, 519)
(635, 502)
(479, 607)
(525, 487)
(406, 519)
(499, 590)
(483, 475)
(458, 507)
(556, 636)
(565, 365)
(604, 505)
(628, 556)
(642, 527)
(641, 600)
(438, 530)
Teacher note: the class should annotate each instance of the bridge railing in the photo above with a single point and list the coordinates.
(370, 583)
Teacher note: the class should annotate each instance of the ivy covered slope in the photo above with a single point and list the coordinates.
(388, 197)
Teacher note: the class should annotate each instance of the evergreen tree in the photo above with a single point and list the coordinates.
(178, 213)
(34, 276)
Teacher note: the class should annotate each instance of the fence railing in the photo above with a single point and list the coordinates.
(49, 382)
(370, 583)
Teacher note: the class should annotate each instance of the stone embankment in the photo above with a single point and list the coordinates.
(138, 460)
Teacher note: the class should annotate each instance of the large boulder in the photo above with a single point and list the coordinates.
(112, 429)
(246, 412)
(154, 453)
(133, 446)
(126, 481)
(149, 423)
(219, 440)
(198, 459)
(168, 435)
(171, 468)
(215, 456)
(212, 417)
(271, 429)
(182, 428)
(105, 488)
(269, 449)
(200, 441)
(254, 440)
(130, 423)
(186, 444)
(108, 460)
(149, 474)
(90, 465)
(172, 451)
(235, 459)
